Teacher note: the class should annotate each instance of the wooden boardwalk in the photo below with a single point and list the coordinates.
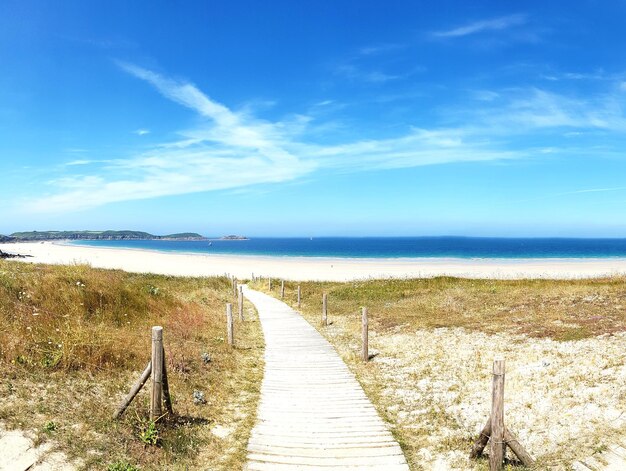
(613, 459)
(313, 414)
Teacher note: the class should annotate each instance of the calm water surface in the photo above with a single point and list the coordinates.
(389, 247)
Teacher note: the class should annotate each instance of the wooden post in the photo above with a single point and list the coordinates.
(234, 286)
(324, 309)
(481, 441)
(269, 284)
(134, 390)
(240, 301)
(517, 448)
(167, 399)
(496, 456)
(504, 436)
(365, 354)
(282, 289)
(299, 296)
(157, 373)
(229, 323)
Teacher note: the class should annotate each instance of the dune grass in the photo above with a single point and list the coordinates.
(73, 339)
(434, 340)
(557, 309)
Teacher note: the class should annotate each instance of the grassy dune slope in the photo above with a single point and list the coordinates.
(73, 340)
(435, 341)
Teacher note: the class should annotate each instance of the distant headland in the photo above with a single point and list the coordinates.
(96, 235)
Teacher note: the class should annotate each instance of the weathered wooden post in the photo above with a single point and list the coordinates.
(157, 373)
(134, 390)
(495, 431)
(282, 289)
(167, 398)
(234, 286)
(240, 301)
(229, 323)
(324, 309)
(269, 284)
(299, 296)
(496, 457)
(365, 353)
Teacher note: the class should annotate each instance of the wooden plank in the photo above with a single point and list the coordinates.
(313, 413)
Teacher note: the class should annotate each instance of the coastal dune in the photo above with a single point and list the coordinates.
(313, 268)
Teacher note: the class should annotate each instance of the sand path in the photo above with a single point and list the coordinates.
(313, 413)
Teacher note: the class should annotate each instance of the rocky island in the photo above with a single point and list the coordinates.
(95, 235)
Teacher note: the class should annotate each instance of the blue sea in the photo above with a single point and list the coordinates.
(388, 247)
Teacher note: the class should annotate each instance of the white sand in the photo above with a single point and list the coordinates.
(307, 268)
(564, 400)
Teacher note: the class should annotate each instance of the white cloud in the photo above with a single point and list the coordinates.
(142, 132)
(234, 150)
(485, 95)
(380, 49)
(494, 24)
(372, 76)
(542, 109)
(78, 162)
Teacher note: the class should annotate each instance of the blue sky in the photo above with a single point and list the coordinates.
(314, 117)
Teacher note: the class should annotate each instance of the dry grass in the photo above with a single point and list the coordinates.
(557, 309)
(73, 339)
(435, 340)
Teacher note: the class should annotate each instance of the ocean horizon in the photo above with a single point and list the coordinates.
(387, 247)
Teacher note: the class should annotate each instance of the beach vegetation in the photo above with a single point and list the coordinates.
(73, 340)
(432, 344)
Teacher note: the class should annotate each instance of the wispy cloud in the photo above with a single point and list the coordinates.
(597, 75)
(592, 190)
(78, 162)
(493, 24)
(525, 110)
(353, 72)
(141, 132)
(233, 149)
(380, 49)
(570, 193)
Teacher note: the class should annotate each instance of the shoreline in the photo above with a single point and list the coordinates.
(312, 268)
(338, 257)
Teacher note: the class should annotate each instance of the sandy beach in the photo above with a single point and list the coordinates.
(309, 268)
